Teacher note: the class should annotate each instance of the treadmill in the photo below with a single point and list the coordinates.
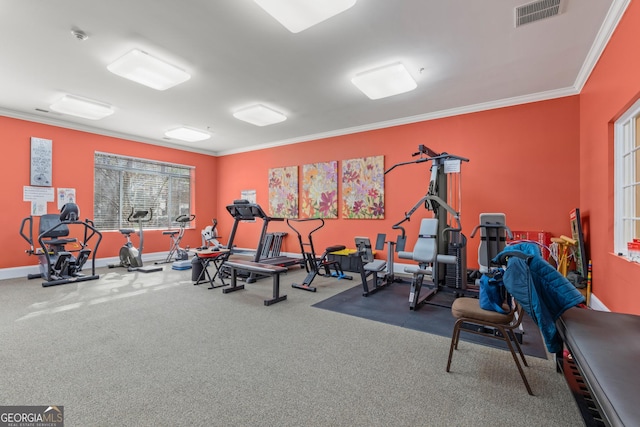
(243, 210)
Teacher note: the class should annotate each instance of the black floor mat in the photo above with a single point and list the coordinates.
(391, 305)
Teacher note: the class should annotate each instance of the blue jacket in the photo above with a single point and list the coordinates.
(542, 291)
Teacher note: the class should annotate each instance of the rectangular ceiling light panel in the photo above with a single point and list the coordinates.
(386, 81)
(187, 134)
(81, 107)
(298, 15)
(147, 70)
(259, 115)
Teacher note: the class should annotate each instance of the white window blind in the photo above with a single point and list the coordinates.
(125, 183)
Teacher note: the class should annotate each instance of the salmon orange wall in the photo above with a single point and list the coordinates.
(523, 162)
(73, 168)
(518, 165)
(612, 87)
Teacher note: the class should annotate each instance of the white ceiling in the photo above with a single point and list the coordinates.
(466, 55)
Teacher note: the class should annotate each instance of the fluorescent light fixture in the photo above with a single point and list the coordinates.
(298, 15)
(259, 115)
(81, 107)
(187, 134)
(385, 81)
(143, 68)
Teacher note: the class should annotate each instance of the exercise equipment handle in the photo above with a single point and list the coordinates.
(487, 225)
(290, 220)
(139, 215)
(185, 218)
(29, 238)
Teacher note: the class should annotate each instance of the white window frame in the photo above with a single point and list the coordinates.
(626, 147)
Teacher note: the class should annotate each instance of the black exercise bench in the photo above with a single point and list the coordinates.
(604, 367)
(258, 268)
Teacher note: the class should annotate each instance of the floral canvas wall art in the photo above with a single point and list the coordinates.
(319, 197)
(283, 192)
(363, 188)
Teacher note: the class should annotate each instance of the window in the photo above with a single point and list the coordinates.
(627, 179)
(125, 183)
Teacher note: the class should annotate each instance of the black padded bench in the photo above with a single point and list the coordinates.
(258, 268)
(604, 369)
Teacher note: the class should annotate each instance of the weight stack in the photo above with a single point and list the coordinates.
(456, 274)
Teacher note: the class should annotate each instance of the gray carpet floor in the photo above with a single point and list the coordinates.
(155, 350)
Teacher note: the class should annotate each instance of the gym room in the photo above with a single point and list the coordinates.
(511, 144)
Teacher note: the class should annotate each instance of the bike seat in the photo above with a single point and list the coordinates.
(171, 233)
(127, 230)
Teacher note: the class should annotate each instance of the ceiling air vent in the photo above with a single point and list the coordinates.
(536, 11)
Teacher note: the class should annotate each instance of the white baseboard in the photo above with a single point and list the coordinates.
(17, 272)
(596, 304)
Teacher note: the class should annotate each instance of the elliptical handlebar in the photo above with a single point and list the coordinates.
(289, 220)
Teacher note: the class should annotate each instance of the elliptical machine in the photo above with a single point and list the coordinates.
(130, 256)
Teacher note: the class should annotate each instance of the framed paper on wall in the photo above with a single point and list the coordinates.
(41, 152)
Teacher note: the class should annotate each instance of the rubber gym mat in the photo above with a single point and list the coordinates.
(391, 305)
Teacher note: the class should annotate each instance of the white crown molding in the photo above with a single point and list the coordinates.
(52, 121)
(507, 102)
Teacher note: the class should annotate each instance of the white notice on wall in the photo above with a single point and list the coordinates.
(38, 208)
(452, 166)
(37, 194)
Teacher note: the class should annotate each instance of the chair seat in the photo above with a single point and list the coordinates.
(375, 265)
(469, 308)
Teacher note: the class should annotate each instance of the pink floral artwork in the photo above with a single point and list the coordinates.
(283, 192)
(363, 188)
(319, 197)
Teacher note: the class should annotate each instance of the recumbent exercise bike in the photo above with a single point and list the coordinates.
(61, 258)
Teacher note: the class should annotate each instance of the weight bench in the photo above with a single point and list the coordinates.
(425, 253)
(603, 370)
(258, 268)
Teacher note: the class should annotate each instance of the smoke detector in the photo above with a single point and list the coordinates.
(536, 11)
(79, 34)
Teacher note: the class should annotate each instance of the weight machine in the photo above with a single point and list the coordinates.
(446, 261)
